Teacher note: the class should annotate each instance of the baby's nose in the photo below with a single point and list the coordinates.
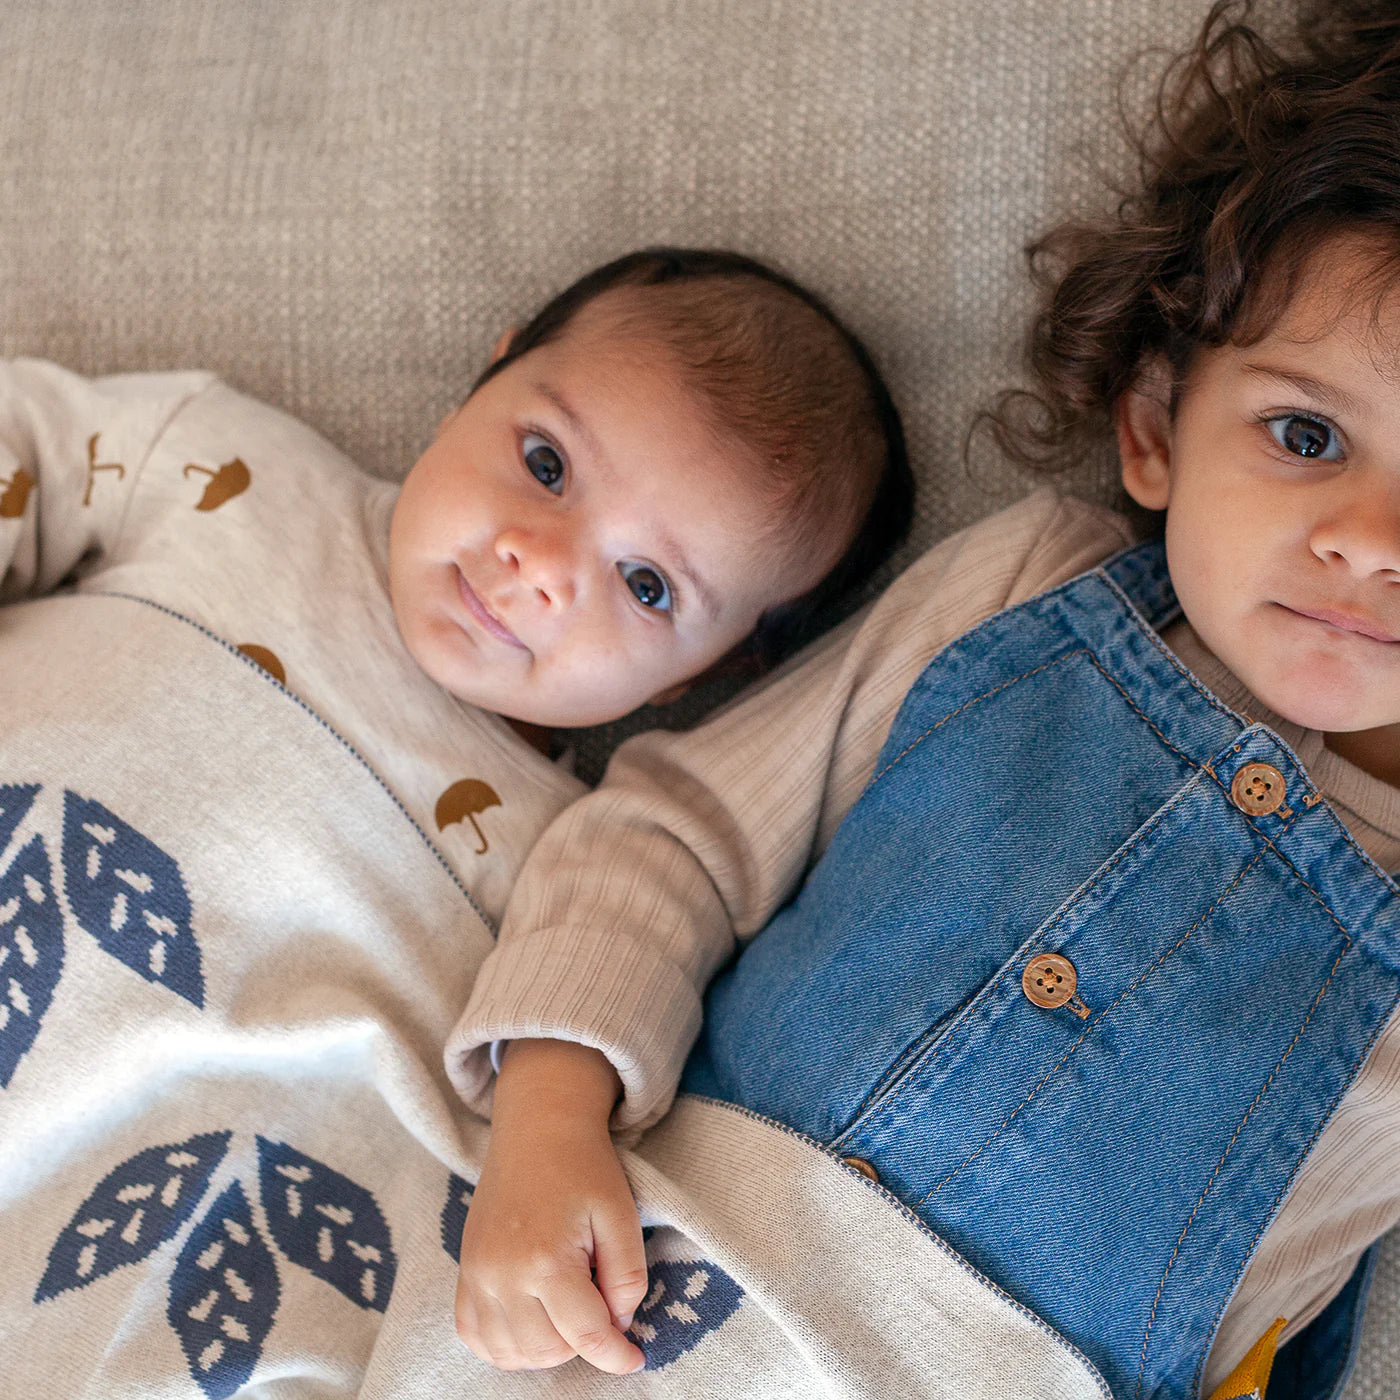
(543, 560)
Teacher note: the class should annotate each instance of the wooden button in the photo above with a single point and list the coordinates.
(1049, 979)
(860, 1165)
(1258, 789)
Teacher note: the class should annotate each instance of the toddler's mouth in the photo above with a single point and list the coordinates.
(488, 620)
(1346, 622)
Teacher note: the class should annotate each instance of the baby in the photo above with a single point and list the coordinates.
(658, 467)
(261, 799)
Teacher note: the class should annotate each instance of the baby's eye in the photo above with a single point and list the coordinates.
(1307, 437)
(648, 587)
(543, 462)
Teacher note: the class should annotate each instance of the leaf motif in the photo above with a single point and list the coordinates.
(327, 1224)
(137, 1205)
(31, 951)
(129, 895)
(454, 1214)
(686, 1300)
(15, 800)
(224, 1294)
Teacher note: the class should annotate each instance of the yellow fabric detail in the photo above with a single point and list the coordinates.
(1250, 1379)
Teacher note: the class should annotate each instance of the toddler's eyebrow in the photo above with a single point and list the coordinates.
(1337, 399)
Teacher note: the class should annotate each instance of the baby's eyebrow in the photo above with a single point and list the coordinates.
(669, 543)
(672, 547)
(566, 411)
(1336, 399)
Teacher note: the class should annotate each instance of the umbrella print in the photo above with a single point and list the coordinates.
(466, 799)
(15, 494)
(232, 479)
(265, 658)
(94, 466)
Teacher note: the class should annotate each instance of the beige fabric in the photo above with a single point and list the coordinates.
(336, 205)
(232, 515)
(628, 902)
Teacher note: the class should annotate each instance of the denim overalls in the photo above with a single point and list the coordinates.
(1081, 976)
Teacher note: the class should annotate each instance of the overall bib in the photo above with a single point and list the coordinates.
(1081, 977)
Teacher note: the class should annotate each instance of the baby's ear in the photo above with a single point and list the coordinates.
(504, 343)
(1142, 421)
(672, 693)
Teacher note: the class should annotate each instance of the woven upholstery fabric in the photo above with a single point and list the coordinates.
(339, 204)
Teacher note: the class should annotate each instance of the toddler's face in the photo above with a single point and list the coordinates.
(576, 541)
(1280, 475)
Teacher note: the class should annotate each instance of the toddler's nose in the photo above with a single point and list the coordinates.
(1363, 529)
(543, 561)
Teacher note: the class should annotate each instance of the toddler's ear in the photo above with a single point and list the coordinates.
(1142, 421)
(503, 344)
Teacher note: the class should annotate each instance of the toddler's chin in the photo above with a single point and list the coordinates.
(1331, 707)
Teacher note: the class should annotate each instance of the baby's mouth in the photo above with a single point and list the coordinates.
(487, 620)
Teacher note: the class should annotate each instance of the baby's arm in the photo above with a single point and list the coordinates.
(71, 452)
(552, 1257)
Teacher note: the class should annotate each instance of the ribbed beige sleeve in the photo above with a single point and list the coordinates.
(633, 897)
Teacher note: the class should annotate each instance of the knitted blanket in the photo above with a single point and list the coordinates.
(230, 1162)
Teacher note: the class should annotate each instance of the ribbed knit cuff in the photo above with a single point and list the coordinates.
(612, 993)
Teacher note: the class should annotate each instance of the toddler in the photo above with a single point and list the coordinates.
(262, 796)
(1089, 956)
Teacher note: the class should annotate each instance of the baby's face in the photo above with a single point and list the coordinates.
(576, 542)
(1280, 476)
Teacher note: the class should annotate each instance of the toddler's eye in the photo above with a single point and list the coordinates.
(543, 462)
(648, 587)
(1307, 437)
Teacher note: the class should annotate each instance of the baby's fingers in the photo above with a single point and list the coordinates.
(620, 1262)
(580, 1316)
(512, 1339)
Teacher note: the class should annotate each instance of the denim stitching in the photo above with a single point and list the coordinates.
(923, 1227)
(1229, 1147)
(1162, 648)
(1066, 588)
(967, 705)
(904, 1063)
(1297, 874)
(1346, 835)
(1288, 1185)
(1103, 671)
(972, 1006)
(1126, 992)
(335, 734)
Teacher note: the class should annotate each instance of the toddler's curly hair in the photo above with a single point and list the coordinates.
(1256, 151)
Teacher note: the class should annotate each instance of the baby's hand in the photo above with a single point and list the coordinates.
(552, 1262)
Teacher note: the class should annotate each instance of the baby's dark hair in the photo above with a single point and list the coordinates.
(778, 373)
(1255, 153)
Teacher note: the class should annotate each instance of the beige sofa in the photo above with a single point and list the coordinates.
(339, 204)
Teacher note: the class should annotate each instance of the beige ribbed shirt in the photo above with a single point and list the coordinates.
(635, 895)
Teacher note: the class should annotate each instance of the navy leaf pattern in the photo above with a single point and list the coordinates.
(686, 1300)
(15, 800)
(454, 1215)
(138, 1204)
(129, 895)
(224, 1295)
(31, 950)
(327, 1224)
